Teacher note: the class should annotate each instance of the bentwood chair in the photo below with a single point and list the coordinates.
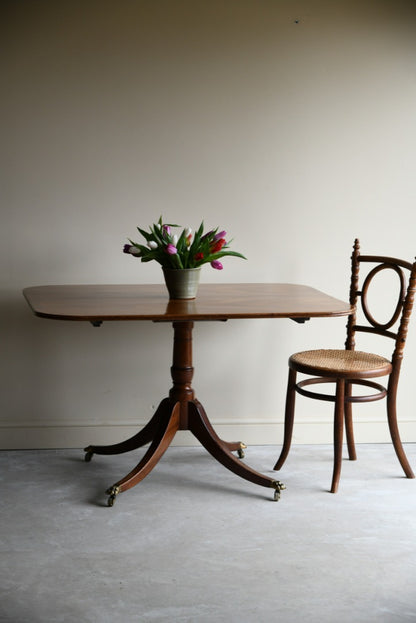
(346, 369)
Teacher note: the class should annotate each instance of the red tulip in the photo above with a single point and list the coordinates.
(218, 245)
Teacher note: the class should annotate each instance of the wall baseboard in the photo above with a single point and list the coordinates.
(253, 433)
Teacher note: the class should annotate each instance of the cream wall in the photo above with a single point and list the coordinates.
(292, 124)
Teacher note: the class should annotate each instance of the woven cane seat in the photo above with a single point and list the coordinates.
(345, 363)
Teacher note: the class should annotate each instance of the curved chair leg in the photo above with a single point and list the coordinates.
(289, 418)
(349, 428)
(338, 433)
(395, 435)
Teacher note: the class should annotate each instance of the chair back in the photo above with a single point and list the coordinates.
(361, 283)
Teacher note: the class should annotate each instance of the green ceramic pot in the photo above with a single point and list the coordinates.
(182, 283)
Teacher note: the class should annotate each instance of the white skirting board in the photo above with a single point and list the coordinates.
(252, 433)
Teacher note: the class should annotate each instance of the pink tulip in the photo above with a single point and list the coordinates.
(208, 234)
(217, 265)
(171, 249)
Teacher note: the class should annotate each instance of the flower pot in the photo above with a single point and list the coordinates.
(182, 283)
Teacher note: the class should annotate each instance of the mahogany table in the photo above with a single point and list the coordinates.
(181, 410)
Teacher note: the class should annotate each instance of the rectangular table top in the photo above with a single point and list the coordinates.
(97, 303)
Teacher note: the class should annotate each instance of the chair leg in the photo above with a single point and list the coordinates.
(394, 433)
(338, 433)
(349, 427)
(289, 418)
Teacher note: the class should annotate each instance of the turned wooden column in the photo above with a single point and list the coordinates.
(182, 370)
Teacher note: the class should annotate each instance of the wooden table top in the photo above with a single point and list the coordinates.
(97, 303)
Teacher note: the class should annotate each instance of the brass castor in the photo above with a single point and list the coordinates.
(240, 450)
(112, 492)
(278, 487)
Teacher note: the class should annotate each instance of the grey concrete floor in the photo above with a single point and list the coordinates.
(195, 543)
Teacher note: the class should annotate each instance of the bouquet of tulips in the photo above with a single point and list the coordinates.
(186, 250)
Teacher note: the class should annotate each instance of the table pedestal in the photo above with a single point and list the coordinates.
(180, 411)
